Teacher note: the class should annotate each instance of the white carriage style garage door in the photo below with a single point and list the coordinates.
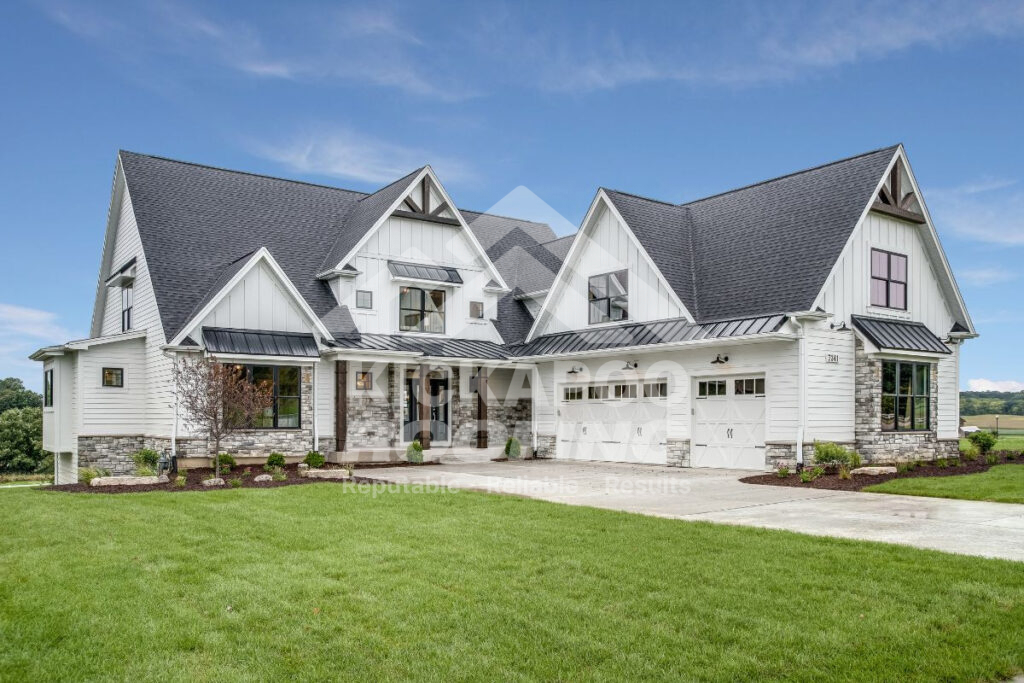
(616, 422)
(728, 423)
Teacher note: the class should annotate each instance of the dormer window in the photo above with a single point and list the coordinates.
(888, 279)
(609, 297)
(127, 304)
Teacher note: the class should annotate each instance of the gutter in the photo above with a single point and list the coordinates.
(671, 346)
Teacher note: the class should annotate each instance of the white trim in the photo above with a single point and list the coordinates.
(427, 170)
(601, 196)
(263, 254)
(436, 284)
(653, 348)
(118, 188)
(268, 360)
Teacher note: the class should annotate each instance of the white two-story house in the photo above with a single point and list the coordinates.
(732, 331)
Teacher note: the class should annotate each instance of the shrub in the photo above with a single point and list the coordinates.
(235, 483)
(985, 441)
(807, 476)
(147, 457)
(314, 459)
(87, 474)
(179, 481)
(227, 461)
(1010, 455)
(275, 460)
(21, 439)
(970, 451)
(942, 462)
(45, 465)
(991, 458)
(513, 449)
(279, 476)
(855, 460)
(902, 467)
(145, 471)
(844, 472)
(782, 472)
(414, 451)
(828, 453)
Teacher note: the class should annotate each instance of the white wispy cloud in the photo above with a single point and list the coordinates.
(345, 153)
(988, 210)
(994, 385)
(984, 277)
(22, 331)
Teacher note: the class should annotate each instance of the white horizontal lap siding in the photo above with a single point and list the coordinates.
(605, 247)
(830, 385)
(402, 239)
(848, 290)
(948, 408)
(258, 302)
(114, 410)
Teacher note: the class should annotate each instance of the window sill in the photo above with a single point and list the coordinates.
(896, 313)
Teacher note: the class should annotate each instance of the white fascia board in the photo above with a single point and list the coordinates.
(83, 344)
(429, 283)
(371, 356)
(601, 196)
(47, 352)
(117, 189)
(655, 348)
(275, 360)
(263, 254)
(427, 171)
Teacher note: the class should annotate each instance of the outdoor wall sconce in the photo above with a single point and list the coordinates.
(631, 365)
(720, 360)
(841, 327)
(575, 370)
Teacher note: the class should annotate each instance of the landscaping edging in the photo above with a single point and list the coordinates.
(832, 482)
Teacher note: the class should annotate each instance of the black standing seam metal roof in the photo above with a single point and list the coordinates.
(670, 331)
(899, 335)
(259, 342)
(420, 272)
(434, 347)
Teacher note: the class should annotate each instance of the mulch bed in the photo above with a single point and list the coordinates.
(195, 476)
(831, 481)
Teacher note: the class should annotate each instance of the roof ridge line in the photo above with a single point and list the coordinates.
(500, 215)
(640, 196)
(248, 173)
(790, 175)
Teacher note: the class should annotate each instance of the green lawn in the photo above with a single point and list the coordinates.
(1005, 442)
(1000, 484)
(321, 581)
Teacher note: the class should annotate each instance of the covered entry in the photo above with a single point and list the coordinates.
(617, 422)
(729, 419)
(427, 406)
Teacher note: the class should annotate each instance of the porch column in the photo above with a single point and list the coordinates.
(424, 401)
(340, 403)
(481, 408)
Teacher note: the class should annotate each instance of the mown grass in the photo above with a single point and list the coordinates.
(1005, 442)
(324, 581)
(1000, 484)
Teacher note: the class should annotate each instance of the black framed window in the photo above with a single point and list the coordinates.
(597, 393)
(421, 310)
(625, 391)
(714, 387)
(285, 411)
(906, 396)
(749, 386)
(572, 393)
(364, 298)
(364, 380)
(113, 377)
(48, 388)
(476, 309)
(608, 295)
(127, 303)
(888, 279)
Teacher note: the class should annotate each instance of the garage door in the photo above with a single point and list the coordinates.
(614, 422)
(729, 423)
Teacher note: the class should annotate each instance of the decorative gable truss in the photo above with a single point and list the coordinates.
(897, 196)
(425, 202)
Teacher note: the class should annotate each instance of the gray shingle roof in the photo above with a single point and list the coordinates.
(758, 249)
(899, 335)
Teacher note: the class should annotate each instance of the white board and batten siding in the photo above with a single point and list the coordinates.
(60, 427)
(830, 383)
(848, 290)
(605, 247)
(424, 243)
(948, 409)
(258, 301)
(157, 371)
(325, 389)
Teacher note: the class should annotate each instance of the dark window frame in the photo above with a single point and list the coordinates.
(479, 314)
(704, 388)
(127, 305)
(889, 280)
(120, 377)
(368, 293)
(362, 375)
(248, 369)
(599, 303)
(911, 398)
(48, 388)
(422, 310)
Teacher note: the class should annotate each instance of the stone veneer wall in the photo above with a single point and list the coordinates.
(875, 445)
(547, 446)
(375, 421)
(504, 419)
(678, 452)
(783, 453)
(110, 452)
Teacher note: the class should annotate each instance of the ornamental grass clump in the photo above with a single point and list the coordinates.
(146, 458)
(513, 449)
(970, 451)
(414, 451)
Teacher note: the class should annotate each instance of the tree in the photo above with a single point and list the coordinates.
(13, 394)
(218, 399)
(21, 439)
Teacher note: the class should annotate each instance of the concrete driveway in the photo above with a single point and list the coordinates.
(967, 527)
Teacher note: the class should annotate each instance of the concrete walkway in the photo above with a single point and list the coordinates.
(967, 527)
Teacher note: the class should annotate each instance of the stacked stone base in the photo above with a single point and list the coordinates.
(678, 452)
(783, 454)
(112, 453)
(546, 446)
(892, 447)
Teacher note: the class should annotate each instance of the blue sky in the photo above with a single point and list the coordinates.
(674, 101)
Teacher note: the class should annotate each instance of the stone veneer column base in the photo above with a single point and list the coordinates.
(678, 452)
(546, 446)
(783, 454)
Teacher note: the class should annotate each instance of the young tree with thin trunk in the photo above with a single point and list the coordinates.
(218, 399)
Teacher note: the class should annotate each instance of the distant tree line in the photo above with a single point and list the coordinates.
(21, 429)
(992, 402)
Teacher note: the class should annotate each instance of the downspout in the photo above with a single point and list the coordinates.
(316, 414)
(174, 428)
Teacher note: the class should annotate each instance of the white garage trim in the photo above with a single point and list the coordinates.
(729, 421)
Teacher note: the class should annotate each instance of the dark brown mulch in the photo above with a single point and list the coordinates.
(831, 480)
(194, 480)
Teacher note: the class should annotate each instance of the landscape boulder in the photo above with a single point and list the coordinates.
(216, 481)
(260, 478)
(124, 481)
(874, 470)
(327, 474)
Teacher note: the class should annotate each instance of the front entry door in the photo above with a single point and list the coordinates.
(440, 414)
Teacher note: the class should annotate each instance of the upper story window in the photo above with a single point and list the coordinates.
(113, 377)
(127, 303)
(609, 297)
(888, 279)
(286, 408)
(421, 310)
(364, 299)
(476, 309)
(906, 396)
(48, 388)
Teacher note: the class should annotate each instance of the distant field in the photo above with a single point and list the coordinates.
(1008, 424)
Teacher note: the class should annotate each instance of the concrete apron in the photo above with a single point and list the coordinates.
(956, 526)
